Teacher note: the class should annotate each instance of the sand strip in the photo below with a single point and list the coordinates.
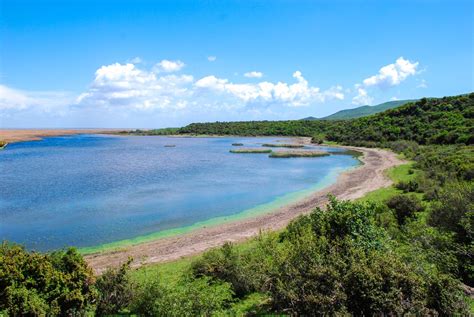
(350, 185)
(19, 135)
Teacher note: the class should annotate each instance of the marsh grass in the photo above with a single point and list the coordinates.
(251, 150)
(287, 154)
(292, 146)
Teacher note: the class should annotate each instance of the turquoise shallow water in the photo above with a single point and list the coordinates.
(88, 190)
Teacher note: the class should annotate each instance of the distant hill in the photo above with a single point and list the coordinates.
(363, 110)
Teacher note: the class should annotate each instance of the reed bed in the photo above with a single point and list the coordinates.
(286, 154)
(292, 146)
(251, 150)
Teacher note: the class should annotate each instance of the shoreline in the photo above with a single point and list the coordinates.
(22, 135)
(350, 184)
(259, 210)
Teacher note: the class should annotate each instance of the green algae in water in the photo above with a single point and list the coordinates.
(262, 209)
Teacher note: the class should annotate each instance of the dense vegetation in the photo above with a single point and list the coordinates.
(448, 120)
(403, 250)
(364, 111)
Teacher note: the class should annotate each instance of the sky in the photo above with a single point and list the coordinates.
(154, 64)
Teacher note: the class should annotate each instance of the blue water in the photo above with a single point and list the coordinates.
(87, 190)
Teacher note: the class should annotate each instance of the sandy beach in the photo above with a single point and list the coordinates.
(18, 135)
(350, 185)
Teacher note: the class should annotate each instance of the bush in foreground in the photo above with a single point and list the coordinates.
(37, 284)
(339, 261)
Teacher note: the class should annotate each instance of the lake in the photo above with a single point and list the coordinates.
(87, 190)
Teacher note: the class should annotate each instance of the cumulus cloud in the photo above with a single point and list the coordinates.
(254, 74)
(388, 76)
(126, 89)
(296, 94)
(362, 97)
(128, 86)
(392, 74)
(211, 58)
(168, 66)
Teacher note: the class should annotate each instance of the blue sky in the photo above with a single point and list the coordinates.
(168, 63)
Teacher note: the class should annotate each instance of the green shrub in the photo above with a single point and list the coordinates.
(380, 283)
(405, 207)
(191, 297)
(446, 297)
(454, 211)
(407, 187)
(31, 283)
(224, 264)
(115, 290)
(317, 139)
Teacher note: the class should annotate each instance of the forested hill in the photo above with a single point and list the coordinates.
(364, 111)
(447, 120)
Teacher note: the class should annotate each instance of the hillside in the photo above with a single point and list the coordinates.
(448, 120)
(364, 111)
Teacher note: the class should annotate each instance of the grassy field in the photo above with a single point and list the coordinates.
(401, 173)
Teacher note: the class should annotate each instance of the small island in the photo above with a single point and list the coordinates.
(237, 144)
(287, 154)
(292, 146)
(251, 150)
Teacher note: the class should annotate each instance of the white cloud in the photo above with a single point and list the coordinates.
(46, 101)
(211, 58)
(128, 90)
(392, 74)
(335, 92)
(297, 94)
(254, 74)
(136, 60)
(394, 98)
(422, 84)
(127, 86)
(168, 66)
(362, 98)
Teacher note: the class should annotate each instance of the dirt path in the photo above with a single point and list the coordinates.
(350, 185)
